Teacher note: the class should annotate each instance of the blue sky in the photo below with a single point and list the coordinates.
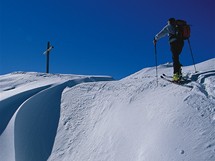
(98, 37)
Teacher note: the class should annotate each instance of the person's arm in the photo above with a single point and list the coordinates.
(162, 33)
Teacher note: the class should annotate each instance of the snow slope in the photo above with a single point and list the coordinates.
(93, 118)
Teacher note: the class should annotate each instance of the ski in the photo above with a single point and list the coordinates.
(170, 77)
(167, 76)
(181, 83)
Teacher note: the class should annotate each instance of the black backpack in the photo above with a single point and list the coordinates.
(182, 29)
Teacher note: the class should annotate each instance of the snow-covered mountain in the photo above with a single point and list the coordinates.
(95, 118)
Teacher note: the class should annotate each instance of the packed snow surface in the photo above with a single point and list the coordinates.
(59, 117)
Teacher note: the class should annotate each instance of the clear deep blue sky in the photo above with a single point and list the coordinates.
(99, 37)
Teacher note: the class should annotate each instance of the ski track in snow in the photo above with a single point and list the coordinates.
(90, 118)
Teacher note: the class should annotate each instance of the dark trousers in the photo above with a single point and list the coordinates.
(176, 49)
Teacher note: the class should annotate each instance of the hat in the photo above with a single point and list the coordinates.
(171, 20)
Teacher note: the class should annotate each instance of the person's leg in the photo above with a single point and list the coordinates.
(176, 48)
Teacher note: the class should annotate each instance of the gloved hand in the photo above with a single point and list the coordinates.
(154, 41)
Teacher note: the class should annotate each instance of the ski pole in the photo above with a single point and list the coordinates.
(192, 55)
(156, 62)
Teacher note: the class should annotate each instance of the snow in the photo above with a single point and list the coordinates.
(58, 117)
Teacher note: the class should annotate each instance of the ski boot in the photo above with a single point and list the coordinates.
(176, 77)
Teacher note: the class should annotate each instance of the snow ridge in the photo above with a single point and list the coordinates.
(93, 118)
